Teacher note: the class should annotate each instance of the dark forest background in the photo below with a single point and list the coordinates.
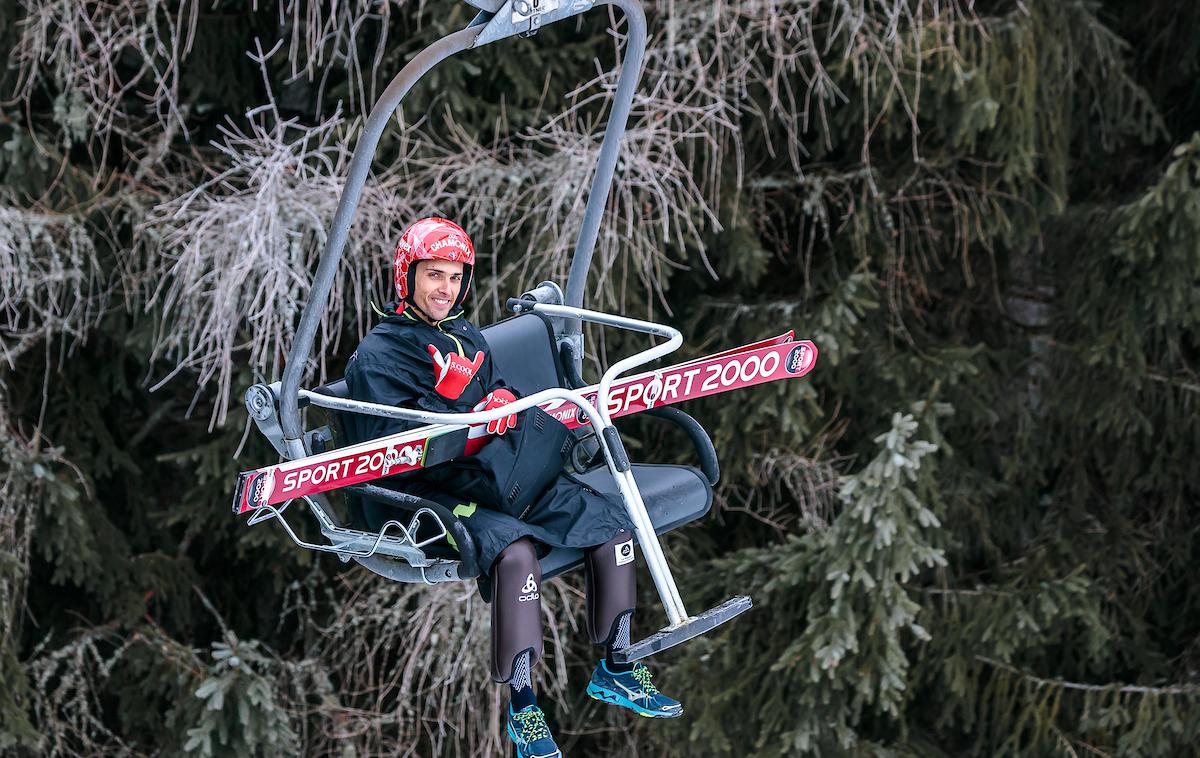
(971, 531)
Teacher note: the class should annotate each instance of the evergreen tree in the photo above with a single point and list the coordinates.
(967, 533)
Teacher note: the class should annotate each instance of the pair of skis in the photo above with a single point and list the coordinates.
(760, 362)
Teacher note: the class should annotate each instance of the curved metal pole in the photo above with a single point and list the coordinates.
(360, 165)
(585, 246)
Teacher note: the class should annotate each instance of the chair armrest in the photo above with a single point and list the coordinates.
(690, 426)
(700, 439)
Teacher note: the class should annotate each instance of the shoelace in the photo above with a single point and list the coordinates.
(642, 675)
(533, 724)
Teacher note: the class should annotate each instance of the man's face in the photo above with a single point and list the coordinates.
(436, 285)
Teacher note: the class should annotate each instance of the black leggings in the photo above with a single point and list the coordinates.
(516, 598)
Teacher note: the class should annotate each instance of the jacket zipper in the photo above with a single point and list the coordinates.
(451, 336)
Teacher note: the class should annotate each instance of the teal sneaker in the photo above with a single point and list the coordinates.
(632, 690)
(528, 730)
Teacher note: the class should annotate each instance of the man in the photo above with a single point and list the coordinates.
(425, 354)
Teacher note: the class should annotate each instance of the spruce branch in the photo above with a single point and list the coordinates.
(1123, 689)
(232, 258)
(82, 51)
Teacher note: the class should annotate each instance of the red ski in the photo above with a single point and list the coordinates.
(787, 336)
(747, 366)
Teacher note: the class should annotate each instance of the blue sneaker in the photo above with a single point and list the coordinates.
(528, 730)
(632, 690)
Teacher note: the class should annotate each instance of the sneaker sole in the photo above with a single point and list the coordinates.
(605, 695)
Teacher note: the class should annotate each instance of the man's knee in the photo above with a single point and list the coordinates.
(517, 557)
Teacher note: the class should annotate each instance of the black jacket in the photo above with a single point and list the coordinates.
(392, 366)
(517, 479)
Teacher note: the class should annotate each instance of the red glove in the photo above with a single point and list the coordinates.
(495, 399)
(453, 372)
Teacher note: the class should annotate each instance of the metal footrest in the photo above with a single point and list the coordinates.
(693, 627)
(393, 539)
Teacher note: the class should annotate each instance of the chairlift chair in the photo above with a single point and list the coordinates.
(539, 352)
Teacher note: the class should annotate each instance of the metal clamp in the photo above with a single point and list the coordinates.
(524, 18)
(263, 407)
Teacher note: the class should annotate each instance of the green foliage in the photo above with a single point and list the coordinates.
(1151, 256)
(807, 690)
(234, 708)
(16, 730)
(1127, 720)
(992, 207)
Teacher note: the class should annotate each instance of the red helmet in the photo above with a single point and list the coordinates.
(432, 239)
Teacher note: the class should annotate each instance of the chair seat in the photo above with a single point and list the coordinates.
(674, 496)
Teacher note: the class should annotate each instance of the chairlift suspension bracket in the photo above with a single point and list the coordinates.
(523, 18)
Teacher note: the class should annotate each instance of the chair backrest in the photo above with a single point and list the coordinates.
(523, 349)
(525, 353)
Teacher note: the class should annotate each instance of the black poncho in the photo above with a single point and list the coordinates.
(515, 487)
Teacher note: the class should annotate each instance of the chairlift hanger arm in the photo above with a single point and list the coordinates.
(497, 20)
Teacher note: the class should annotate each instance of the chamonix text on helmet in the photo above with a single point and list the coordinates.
(427, 240)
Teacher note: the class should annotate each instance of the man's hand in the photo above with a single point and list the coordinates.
(453, 372)
(495, 399)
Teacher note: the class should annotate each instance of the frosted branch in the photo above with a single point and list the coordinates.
(50, 280)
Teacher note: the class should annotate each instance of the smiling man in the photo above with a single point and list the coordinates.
(437, 287)
(512, 496)
(425, 338)
(436, 283)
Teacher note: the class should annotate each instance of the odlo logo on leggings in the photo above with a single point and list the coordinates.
(530, 589)
(624, 553)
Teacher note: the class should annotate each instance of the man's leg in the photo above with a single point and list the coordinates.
(611, 598)
(517, 645)
(611, 594)
(516, 612)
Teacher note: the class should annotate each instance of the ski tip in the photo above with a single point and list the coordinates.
(801, 358)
